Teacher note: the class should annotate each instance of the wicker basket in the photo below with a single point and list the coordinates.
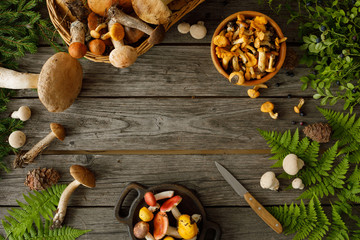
(62, 24)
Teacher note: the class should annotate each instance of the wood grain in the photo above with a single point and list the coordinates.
(196, 172)
(164, 71)
(163, 123)
(236, 223)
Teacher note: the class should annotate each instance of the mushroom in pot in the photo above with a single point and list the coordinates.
(142, 230)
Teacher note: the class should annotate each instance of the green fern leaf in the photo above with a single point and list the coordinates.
(338, 230)
(44, 203)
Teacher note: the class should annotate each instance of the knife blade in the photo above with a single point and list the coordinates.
(269, 219)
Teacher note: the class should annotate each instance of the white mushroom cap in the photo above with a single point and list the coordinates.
(183, 27)
(24, 113)
(269, 181)
(17, 139)
(198, 31)
(297, 184)
(292, 164)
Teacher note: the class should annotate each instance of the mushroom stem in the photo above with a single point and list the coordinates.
(16, 80)
(176, 213)
(262, 60)
(299, 106)
(172, 231)
(77, 32)
(40, 146)
(61, 210)
(126, 20)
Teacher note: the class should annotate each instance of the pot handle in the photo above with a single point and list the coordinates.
(215, 227)
(127, 219)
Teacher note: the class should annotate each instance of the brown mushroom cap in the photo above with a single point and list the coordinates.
(97, 46)
(267, 107)
(100, 7)
(117, 32)
(123, 56)
(93, 21)
(58, 130)
(152, 11)
(77, 50)
(141, 229)
(83, 175)
(59, 82)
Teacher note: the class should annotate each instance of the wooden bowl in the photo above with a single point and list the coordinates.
(250, 15)
(190, 204)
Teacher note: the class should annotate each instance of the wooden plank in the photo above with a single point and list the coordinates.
(196, 172)
(235, 223)
(163, 123)
(164, 71)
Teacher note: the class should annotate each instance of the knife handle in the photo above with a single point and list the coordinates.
(263, 213)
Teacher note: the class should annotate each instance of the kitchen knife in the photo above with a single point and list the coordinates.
(254, 204)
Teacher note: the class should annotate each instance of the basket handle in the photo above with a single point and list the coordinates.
(127, 219)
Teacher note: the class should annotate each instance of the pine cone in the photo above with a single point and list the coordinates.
(319, 132)
(41, 178)
(291, 60)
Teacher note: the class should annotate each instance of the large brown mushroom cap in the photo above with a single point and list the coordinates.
(100, 7)
(83, 175)
(58, 130)
(152, 11)
(60, 82)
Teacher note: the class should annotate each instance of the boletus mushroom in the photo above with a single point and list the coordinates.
(82, 176)
(156, 35)
(142, 230)
(101, 7)
(152, 11)
(77, 47)
(57, 131)
(123, 55)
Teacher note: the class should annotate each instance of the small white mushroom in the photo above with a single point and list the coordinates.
(269, 181)
(17, 139)
(198, 31)
(292, 164)
(24, 113)
(184, 27)
(297, 184)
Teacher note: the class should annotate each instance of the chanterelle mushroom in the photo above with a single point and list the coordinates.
(254, 93)
(24, 113)
(156, 35)
(82, 176)
(292, 164)
(17, 139)
(268, 107)
(269, 181)
(57, 131)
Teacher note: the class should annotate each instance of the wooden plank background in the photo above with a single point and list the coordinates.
(165, 119)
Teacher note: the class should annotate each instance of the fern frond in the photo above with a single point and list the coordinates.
(40, 203)
(338, 230)
(306, 221)
(328, 184)
(44, 232)
(352, 190)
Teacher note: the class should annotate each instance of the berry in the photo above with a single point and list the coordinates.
(354, 38)
(302, 123)
(338, 82)
(308, 4)
(289, 96)
(323, 28)
(277, 84)
(293, 123)
(354, 90)
(302, 114)
(318, 40)
(342, 55)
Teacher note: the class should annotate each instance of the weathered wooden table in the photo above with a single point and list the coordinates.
(165, 119)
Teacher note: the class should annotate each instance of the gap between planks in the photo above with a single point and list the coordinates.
(161, 152)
